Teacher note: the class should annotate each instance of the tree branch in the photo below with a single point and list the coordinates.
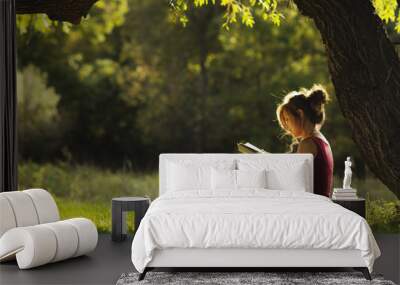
(62, 10)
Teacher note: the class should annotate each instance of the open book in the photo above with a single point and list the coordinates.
(249, 148)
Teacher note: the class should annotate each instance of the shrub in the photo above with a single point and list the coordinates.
(384, 216)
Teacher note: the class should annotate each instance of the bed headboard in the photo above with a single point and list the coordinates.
(207, 157)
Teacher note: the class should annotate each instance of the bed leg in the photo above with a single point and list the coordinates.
(364, 271)
(143, 274)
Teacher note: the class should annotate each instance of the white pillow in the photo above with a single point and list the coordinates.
(281, 174)
(223, 179)
(251, 178)
(292, 179)
(226, 179)
(193, 174)
(188, 177)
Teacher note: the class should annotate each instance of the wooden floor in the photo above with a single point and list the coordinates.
(110, 260)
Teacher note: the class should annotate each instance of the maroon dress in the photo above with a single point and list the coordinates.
(323, 168)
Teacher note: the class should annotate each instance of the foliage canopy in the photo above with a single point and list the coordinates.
(107, 14)
(270, 10)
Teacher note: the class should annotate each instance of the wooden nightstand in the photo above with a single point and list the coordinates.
(356, 205)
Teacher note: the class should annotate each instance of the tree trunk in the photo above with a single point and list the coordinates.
(202, 20)
(365, 71)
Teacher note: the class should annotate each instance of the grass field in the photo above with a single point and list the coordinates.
(87, 191)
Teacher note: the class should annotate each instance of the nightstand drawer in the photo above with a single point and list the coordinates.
(356, 205)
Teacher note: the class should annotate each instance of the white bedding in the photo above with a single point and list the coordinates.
(250, 218)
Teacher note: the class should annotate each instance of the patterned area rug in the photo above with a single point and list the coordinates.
(273, 278)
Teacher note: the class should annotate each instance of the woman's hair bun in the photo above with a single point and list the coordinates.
(317, 96)
(310, 101)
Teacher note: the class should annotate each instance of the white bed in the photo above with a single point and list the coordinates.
(248, 227)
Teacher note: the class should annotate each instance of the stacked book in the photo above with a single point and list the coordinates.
(344, 194)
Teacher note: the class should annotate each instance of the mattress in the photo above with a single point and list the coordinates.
(250, 219)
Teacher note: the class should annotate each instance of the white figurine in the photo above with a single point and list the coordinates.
(347, 174)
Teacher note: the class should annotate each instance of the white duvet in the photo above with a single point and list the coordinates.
(250, 219)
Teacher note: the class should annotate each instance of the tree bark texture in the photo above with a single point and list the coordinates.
(63, 10)
(365, 71)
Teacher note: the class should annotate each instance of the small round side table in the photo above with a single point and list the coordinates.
(119, 207)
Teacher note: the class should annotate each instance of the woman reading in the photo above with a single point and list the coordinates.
(301, 115)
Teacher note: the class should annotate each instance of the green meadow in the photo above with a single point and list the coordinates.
(86, 191)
